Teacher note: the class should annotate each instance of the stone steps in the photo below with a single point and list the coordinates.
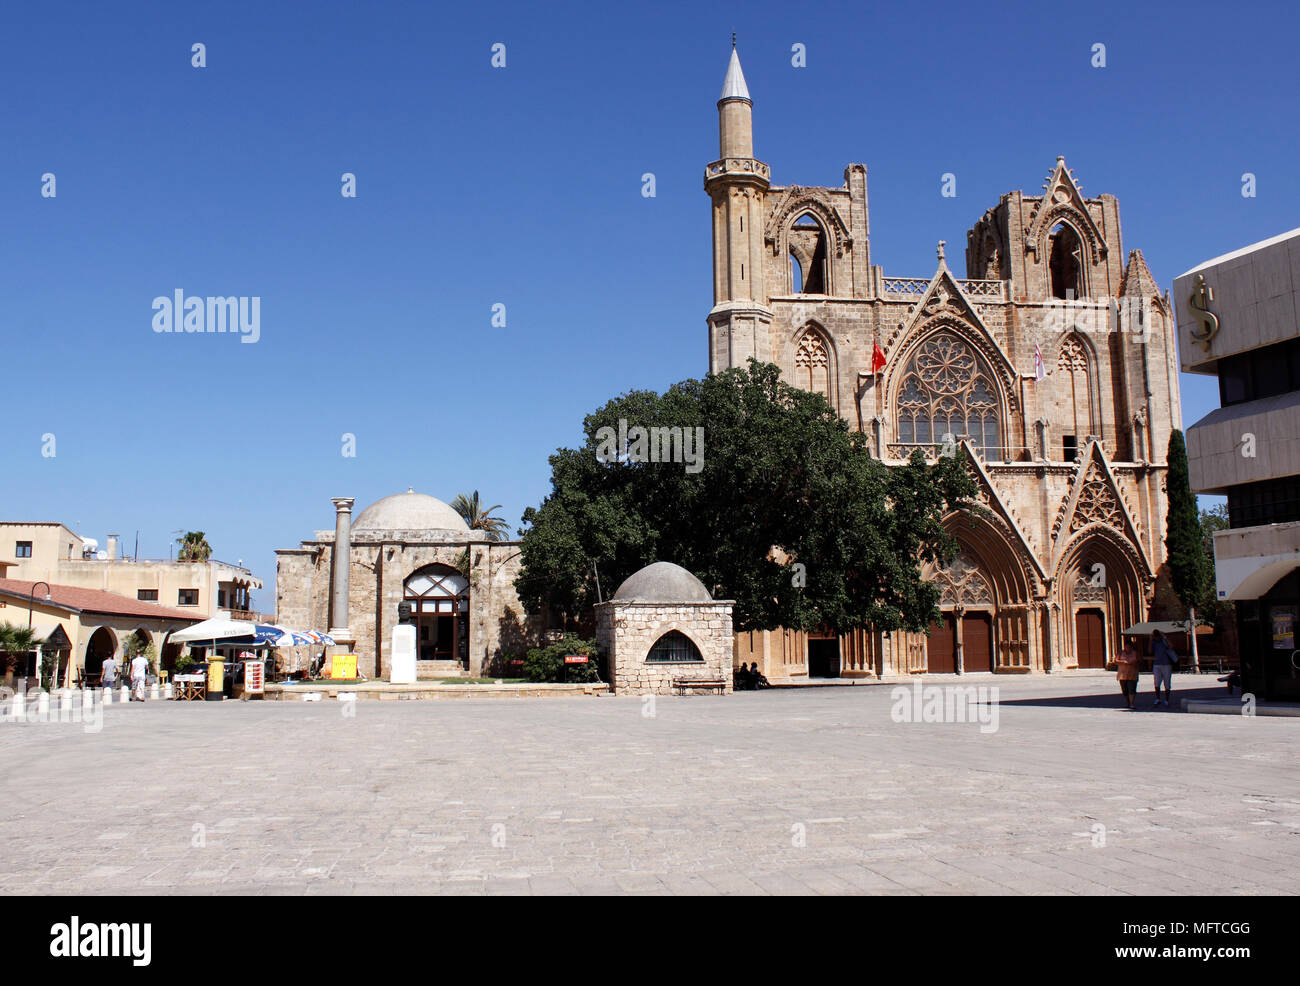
(427, 670)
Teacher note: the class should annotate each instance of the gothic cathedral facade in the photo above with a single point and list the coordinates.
(1053, 364)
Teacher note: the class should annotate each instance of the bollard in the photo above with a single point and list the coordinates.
(43, 705)
(153, 691)
(18, 706)
(108, 696)
(126, 694)
(87, 698)
(167, 690)
(65, 701)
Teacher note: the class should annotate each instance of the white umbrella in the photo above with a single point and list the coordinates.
(213, 630)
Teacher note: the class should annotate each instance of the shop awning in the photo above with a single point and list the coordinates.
(1167, 626)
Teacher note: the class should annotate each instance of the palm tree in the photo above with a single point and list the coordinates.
(15, 641)
(479, 518)
(194, 547)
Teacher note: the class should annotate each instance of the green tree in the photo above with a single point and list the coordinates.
(480, 518)
(784, 511)
(1190, 570)
(15, 642)
(193, 547)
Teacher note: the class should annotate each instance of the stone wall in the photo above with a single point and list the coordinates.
(625, 632)
(379, 568)
(1110, 384)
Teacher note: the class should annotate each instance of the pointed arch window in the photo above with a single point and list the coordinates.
(1065, 263)
(1073, 364)
(808, 270)
(947, 389)
(812, 364)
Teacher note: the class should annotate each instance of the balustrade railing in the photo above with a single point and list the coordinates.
(915, 287)
(932, 451)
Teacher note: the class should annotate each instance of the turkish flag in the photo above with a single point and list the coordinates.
(877, 359)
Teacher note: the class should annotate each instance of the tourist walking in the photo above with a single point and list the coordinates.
(1163, 660)
(139, 669)
(1128, 673)
(108, 672)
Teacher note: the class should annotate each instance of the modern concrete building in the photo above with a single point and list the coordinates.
(51, 552)
(1238, 318)
(1052, 358)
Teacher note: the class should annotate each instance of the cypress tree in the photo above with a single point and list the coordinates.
(1190, 569)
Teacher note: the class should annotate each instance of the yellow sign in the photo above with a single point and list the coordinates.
(343, 666)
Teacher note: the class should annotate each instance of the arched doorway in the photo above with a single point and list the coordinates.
(984, 595)
(169, 654)
(1100, 590)
(137, 643)
(439, 600)
(101, 646)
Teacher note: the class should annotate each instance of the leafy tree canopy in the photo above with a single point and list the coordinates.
(785, 512)
(194, 547)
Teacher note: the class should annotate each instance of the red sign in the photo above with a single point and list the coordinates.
(575, 658)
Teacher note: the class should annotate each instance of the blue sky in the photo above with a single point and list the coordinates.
(519, 186)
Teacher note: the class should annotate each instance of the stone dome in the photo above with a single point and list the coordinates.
(409, 511)
(663, 582)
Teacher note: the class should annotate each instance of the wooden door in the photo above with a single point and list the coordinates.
(976, 642)
(1090, 638)
(941, 651)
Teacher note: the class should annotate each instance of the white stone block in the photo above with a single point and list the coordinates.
(402, 668)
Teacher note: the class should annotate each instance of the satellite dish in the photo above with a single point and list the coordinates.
(101, 555)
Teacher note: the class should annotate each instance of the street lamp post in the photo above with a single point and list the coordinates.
(31, 601)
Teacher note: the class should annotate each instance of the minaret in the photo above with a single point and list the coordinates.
(740, 322)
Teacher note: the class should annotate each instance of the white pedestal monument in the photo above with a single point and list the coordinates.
(402, 670)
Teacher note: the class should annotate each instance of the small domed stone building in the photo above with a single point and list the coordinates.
(412, 549)
(661, 627)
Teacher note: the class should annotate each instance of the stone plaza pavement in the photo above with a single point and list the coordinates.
(801, 791)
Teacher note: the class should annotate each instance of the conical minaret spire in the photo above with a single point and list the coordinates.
(735, 112)
(737, 185)
(733, 86)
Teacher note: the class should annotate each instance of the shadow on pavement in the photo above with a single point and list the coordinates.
(1200, 691)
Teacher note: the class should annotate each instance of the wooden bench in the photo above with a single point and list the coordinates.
(682, 684)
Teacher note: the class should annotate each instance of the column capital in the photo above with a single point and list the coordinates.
(343, 504)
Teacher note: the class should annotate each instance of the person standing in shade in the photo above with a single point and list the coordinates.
(139, 668)
(108, 672)
(1128, 673)
(1163, 660)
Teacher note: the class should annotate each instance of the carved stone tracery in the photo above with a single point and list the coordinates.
(812, 352)
(962, 584)
(947, 390)
(1097, 504)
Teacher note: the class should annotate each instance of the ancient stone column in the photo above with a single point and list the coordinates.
(342, 564)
